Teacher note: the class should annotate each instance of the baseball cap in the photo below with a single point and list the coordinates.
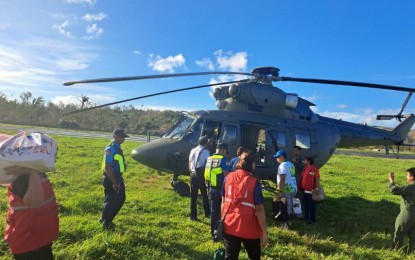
(280, 153)
(120, 132)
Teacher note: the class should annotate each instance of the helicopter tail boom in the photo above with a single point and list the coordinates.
(403, 128)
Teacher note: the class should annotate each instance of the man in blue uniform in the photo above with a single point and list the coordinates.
(113, 167)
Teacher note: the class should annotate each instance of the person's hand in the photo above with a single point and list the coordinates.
(391, 177)
(264, 240)
(116, 186)
(19, 170)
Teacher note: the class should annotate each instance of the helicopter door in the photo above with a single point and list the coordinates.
(230, 137)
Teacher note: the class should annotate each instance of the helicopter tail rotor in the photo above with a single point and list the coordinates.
(398, 116)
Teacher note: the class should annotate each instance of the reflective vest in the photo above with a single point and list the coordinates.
(119, 161)
(213, 171)
(241, 220)
(31, 228)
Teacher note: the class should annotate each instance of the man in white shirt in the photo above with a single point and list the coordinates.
(286, 179)
(197, 162)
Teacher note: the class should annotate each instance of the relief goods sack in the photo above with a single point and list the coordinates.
(34, 150)
(318, 194)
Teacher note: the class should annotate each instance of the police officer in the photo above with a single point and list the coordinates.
(405, 221)
(216, 169)
(197, 161)
(113, 167)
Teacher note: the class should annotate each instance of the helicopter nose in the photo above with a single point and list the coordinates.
(140, 155)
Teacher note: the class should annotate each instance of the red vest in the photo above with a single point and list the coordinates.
(308, 178)
(241, 220)
(31, 228)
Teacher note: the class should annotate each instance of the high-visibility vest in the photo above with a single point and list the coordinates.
(241, 220)
(119, 164)
(213, 171)
(31, 228)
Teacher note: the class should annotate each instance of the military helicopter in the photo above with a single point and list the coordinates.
(257, 115)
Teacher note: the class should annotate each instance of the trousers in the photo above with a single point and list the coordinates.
(113, 200)
(233, 247)
(197, 182)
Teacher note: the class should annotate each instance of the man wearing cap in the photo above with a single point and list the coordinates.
(113, 166)
(197, 161)
(216, 169)
(286, 179)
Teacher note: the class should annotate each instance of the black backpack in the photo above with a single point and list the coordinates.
(279, 211)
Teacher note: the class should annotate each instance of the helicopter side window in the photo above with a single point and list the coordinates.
(277, 139)
(302, 139)
(180, 128)
(193, 134)
(229, 135)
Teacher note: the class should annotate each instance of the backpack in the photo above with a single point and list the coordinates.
(279, 211)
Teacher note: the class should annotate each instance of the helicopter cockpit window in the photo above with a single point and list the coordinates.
(212, 130)
(302, 139)
(181, 127)
(194, 132)
(229, 135)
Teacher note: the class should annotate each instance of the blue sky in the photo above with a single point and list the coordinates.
(45, 43)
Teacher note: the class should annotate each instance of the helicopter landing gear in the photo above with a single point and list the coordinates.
(180, 187)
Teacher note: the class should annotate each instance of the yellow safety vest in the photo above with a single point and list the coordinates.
(119, 165)
(213, 169)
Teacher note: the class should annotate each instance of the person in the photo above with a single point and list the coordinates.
(113, 167)
(243, 210)
(310, 180)
(197, 162)
(32, 219)
(405, 221)
(215, 172)
(297, 160)
(234, 161)
(286, 180)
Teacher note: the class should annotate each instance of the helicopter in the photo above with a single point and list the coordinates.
(255, 114)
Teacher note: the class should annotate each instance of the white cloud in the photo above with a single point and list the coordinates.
(94, 29)
(66, 100)
(94, 17)
(91, 2)
(230, 61)
(205, 63)
(137, 52)
(71, 64)
(61, 29)
(342, 106)
(157, 63)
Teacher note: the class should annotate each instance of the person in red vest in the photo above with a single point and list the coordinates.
(310, 180)
(32, 219)
(243, 210)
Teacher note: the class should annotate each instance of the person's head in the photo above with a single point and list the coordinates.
(410, 175)
(247, 161)
(308, 160)
(222, 148)
(203, 140)
(296, 150)
(119, 135)
(280, 156)
(239, 151)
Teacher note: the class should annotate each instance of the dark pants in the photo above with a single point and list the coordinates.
(197, 182)
(404, 226)
(215, 207)
(233, 246)
(309, 207)
(43, 253)
(113, 200)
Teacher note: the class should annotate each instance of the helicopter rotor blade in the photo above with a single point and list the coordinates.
(346, 83)
(384, 117)
(398, 116)
(405, 103)
(70, 83)
(152, 95)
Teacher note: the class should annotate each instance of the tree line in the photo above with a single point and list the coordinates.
(36, 111)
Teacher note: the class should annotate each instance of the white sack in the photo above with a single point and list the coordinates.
(34, 150)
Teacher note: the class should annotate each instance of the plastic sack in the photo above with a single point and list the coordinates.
(297, 208)
(318, 195)
(35, 150)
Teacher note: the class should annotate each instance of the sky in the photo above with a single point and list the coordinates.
(45, 43)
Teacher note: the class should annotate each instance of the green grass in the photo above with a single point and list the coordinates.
(354, 222)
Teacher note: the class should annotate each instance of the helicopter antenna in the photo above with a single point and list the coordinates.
(152, 95)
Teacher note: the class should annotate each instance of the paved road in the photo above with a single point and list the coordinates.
(68, 132)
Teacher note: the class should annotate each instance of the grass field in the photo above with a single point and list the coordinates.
(354, 222)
